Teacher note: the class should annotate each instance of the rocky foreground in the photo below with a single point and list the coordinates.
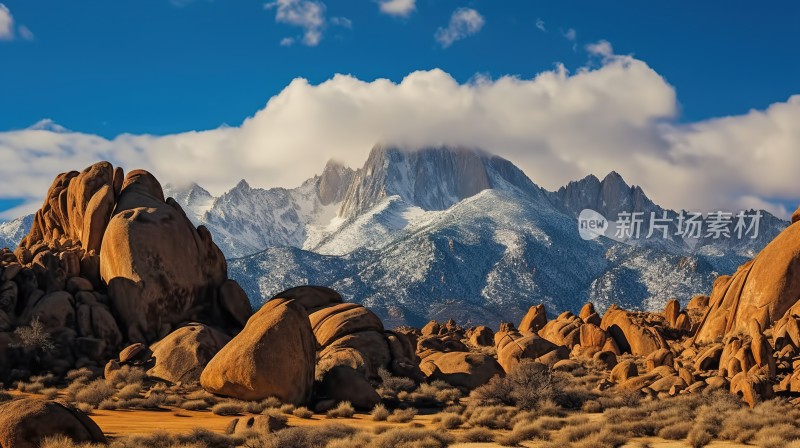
(115, 301)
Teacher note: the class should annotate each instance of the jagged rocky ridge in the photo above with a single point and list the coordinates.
(417, 235)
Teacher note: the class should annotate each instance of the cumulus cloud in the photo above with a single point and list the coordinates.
(399, 8)
(557, 126)
(343, 22)
(570, 34)
(6, 23)
(463, 23)
(306, 14)
(540, 25)
(601, 48)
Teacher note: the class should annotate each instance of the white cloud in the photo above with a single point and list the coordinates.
(6, 23)
(306, 14)
(540, 25)
(343, 22)
(287, 41)
(400, 8)
(570, 34)
(25, 33)
(463, 23)
(601, 48)
(557, 126)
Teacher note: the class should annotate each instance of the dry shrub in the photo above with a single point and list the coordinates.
(343, 410)
(592, 407)
(303, 412)
(303, 437)
(195, 405)
(412, 438)
(287, 408)
(435, 394)
(523, 431)
(128, 375)
(271, 402)
(699, 437)
(450, 421)
(5, 396)
(477, 435)
(50, 393)
(579, 430)
(402, 415)
(380, 413)
(395, 384)
(129, 392)
(529, 385)
(86, 408)
(492, 417)
(94, 393)
(83, 373)
(676, 431)
(229, 408)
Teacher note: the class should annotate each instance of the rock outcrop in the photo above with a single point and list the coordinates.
(25, 423)
(273, 356)
(761, 291)
(108, 260)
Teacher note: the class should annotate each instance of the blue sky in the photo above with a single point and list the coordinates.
(109, 67)
(167, 67)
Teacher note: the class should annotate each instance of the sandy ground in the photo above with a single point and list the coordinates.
(131, 422)
(118, 423)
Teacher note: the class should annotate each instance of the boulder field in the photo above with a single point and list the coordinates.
(113, 274)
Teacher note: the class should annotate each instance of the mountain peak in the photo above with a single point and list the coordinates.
(242, 185)
(431, 178)
(333, 183)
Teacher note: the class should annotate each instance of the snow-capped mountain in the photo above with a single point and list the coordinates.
(458, 233)
(11, 232)
(453, 232)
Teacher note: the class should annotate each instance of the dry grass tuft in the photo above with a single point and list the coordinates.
(343, 410)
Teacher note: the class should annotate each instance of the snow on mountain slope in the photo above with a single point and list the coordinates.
(11, 232)
(194, 200)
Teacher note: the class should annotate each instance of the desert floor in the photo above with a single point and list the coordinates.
(126, 422)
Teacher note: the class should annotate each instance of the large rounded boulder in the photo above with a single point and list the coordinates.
(183, 354)
(159, 268)
(761, 290)
(25, 423)
(273, 356)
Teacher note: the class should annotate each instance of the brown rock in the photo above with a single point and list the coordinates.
(630, 335)
(586, 311)
(343, 383)
(134, 352)
(459, 369)
(8, 296)
(481, 336)
(709, 359)
(26, 422)
(683, 323)
(336, 321)
(624, 371)
(311, 297)
(592, 336)
(366, 351)
(78, 284)
(660, 357)
(535, 319)
(431, 328)
(764, 288)
(671, 312)
(183, 354)
(698, 302)
(563, 330)
(160, 270)
(751, 388)
(274, 355)
(515, 347)
(607, 360)
(262, 424)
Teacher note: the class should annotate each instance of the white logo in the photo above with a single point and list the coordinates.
(591, 224)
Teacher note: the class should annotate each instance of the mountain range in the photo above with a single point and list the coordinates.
(453, 233)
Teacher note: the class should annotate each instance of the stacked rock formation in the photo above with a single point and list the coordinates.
(307, 343)
(108, 260)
